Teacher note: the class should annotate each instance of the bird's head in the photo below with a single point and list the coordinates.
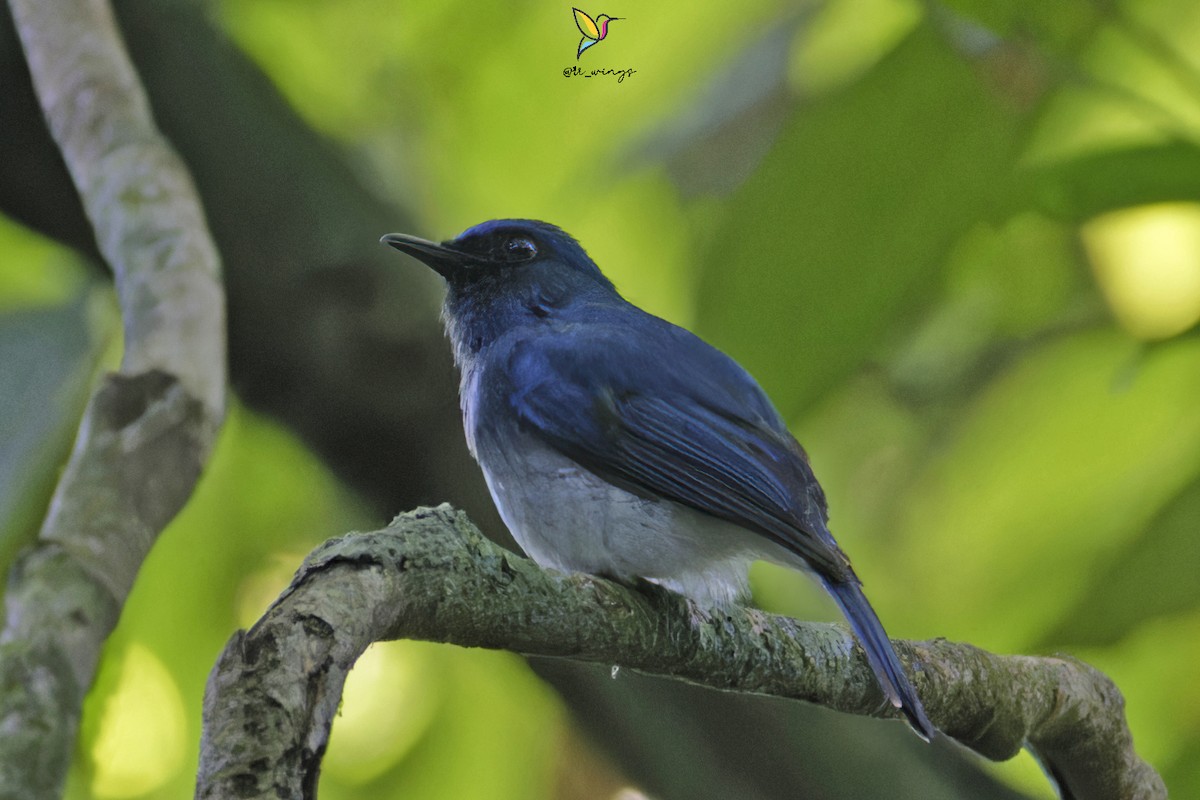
(602, 23)
(509, 272)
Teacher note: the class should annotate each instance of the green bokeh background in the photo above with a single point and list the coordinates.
(891, 212)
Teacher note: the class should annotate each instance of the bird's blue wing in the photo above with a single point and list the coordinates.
(672, 417)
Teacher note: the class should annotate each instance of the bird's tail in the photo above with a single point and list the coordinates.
(880, 654)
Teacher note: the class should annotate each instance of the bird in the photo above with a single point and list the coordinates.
(593, 30)
(616, 443)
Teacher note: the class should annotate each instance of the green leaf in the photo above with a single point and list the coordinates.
(1060, 462)
(1092, 184)
(836, 237)
(1183, 773)
(1152, 575)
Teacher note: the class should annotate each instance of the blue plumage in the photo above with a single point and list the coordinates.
(619, 444)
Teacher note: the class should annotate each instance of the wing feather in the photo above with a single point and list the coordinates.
(587, 25)
(656, 438)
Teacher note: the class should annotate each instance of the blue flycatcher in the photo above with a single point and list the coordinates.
(618, 444)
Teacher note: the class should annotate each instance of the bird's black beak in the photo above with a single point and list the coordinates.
(443, 260)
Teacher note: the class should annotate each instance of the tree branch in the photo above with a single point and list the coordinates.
(431, 575)
(148, 429)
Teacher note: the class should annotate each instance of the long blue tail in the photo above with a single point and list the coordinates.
(880, 655)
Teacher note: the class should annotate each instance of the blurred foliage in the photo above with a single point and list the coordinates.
(408, 714)
(958, 243)
(55, 326)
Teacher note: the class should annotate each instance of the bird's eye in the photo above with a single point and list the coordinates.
(519, 248)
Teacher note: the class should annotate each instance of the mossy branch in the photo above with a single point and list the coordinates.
(431, 575)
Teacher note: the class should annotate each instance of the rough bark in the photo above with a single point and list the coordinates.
(431, 575)
(147, 429)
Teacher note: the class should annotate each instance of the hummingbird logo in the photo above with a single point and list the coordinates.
(593, 30)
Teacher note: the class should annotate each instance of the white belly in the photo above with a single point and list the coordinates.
(566, 517)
